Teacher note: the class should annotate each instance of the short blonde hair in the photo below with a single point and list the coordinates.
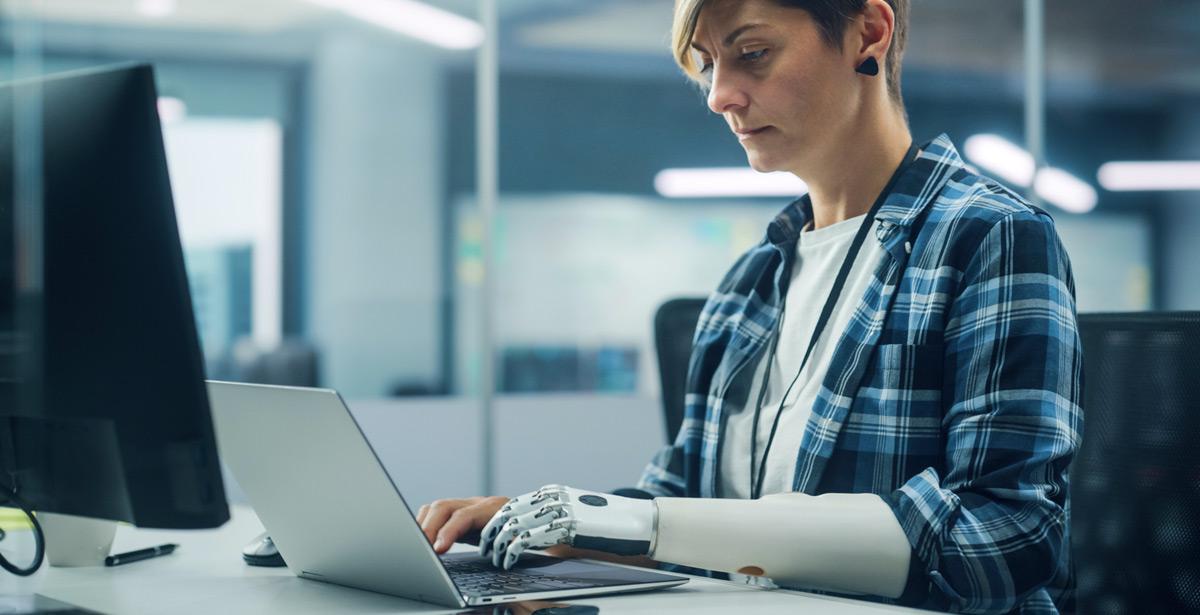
(831, 16)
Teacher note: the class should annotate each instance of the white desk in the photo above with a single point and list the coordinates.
(206, 576)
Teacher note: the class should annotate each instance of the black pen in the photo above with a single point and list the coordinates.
(140, 554)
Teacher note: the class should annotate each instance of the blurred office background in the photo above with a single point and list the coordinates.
(324, 161)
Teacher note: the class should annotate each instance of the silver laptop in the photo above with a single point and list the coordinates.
(337, 516)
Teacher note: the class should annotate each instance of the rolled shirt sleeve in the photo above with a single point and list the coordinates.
(990, 528)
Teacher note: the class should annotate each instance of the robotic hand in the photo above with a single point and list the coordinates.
(556, 514)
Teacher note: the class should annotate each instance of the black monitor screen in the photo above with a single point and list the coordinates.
(105, 411)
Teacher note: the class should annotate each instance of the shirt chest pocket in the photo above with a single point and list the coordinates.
(899, 407)
(905, 375)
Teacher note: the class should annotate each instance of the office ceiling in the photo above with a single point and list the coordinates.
(1151, 44)
(257, 15)
(230, 15)
(1143, 44)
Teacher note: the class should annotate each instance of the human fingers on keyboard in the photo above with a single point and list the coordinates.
(436, 516)
(464, 521)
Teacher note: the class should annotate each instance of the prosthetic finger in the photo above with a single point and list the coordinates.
(516, 507)
(489, 531)
(541, 537)
(499, 546)
(527, 522)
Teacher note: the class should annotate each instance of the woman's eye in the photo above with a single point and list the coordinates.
(753, 56)
(706, 68)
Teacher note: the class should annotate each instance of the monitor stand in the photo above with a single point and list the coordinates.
(76, 541)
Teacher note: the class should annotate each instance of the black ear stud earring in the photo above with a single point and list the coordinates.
(869, 67)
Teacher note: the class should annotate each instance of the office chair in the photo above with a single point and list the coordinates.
(674, 327)
(1135, 484)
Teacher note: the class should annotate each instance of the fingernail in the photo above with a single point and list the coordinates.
(438, 544)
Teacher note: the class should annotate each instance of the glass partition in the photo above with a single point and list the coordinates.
(21, 57)
(1122, 121)
(592, 110)
(305, 141)
(312, 147)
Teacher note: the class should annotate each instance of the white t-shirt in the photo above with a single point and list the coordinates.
(819, 256)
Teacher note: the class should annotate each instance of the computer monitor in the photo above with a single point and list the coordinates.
(103, 406)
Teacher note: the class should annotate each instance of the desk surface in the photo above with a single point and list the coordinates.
(206, 576)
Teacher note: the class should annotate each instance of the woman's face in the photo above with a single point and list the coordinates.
(782, 89)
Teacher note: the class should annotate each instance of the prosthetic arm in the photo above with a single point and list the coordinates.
(556, 514)
(848, 543)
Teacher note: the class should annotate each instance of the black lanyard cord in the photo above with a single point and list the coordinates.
(756, 479)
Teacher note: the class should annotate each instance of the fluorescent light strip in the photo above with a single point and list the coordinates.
(1065, 190)
(1012, 163)
(156, 8)
(726, 182)
(1007, 160)
(1147, 176)
(415, 19)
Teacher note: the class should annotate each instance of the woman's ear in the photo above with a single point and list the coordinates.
(873, 36)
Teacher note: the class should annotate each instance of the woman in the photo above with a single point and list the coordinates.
(883, 396)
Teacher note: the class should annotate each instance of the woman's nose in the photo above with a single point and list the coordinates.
(724, 93)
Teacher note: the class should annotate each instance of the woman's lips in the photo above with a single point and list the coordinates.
(746, 134)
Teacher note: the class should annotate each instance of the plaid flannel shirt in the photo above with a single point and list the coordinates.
(954, 393)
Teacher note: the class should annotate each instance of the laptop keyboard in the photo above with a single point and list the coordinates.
(475, 577)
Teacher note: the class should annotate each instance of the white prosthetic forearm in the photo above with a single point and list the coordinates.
(849, 543)
(556, 514)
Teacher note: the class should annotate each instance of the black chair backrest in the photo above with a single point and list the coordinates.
(1135, 484)
(674, 327)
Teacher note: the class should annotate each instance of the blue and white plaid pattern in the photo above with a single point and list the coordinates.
(954, 392)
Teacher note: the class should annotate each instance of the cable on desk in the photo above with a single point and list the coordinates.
(8, 495)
